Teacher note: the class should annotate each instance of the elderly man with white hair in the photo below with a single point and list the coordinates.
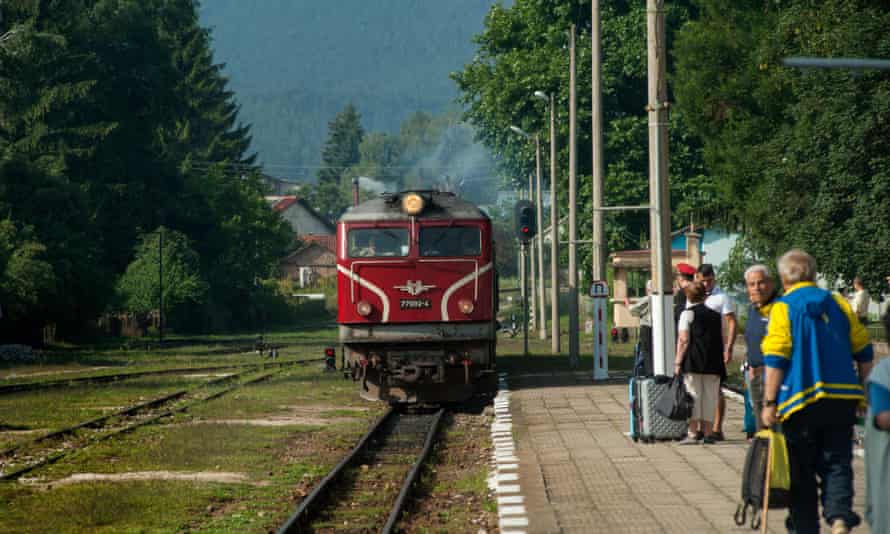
(812, 388)
(761, 292)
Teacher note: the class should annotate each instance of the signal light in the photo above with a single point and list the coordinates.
(466, 306)
(329, 352)
(363, 308)
(526, 221)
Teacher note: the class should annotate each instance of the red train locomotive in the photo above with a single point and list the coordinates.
(417, 290)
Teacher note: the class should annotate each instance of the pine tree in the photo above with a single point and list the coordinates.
(341, 150)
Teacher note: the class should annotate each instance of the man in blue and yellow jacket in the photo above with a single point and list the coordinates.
(812, 388)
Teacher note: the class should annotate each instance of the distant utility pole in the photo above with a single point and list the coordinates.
(554, 229)
(554, 236)
(161, 286)
(574, 353)
(542, 305)
(531, 261)
(596, 113)
(659, 196)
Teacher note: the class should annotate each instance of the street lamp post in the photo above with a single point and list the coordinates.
(554, 233)
(537, 252)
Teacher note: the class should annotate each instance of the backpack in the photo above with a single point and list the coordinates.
(755, 473)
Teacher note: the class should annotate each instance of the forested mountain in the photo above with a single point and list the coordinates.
(117, 127)
(295, 64)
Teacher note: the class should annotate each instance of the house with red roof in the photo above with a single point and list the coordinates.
(316, 258)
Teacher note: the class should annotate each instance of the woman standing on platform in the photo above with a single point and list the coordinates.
(700, 359)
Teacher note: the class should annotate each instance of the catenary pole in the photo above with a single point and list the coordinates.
(554, 236)
(659, 197)
(531, 260)
(542, 305)
(596, 113)
(573, 226)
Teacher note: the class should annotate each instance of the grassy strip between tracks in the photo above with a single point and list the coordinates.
(73, 361)
(31, 414)
(257, 451)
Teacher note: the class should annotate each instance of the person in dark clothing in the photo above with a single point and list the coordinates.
(700, 359)
(761, 293)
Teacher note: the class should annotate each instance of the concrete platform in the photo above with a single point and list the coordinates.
(579, 472)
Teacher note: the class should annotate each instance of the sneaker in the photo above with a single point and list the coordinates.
(699, 435)
(689, 440)
(709, 440)
(718, 436)
(839, 526)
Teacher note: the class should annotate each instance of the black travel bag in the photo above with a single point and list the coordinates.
(675, 403)
(754, 477)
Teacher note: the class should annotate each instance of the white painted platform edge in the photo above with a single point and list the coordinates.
(503, 475)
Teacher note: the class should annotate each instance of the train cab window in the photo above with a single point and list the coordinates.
(378, 242)
(450, 241)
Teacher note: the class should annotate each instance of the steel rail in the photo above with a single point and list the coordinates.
(413, 474)
(62, 382)
(299, 520)
(129, 410)
(294, 522)
(53, 458)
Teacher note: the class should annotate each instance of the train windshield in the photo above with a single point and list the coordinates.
(450, 241)
(378, 242)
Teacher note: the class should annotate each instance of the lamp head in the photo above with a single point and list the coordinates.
(542, 95)
(520, 131)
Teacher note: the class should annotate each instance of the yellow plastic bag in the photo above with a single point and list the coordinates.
(780, 474)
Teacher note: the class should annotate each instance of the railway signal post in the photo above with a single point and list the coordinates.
(526, 229)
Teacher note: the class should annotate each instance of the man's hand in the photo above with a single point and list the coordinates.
(727, 355)
(768, 416)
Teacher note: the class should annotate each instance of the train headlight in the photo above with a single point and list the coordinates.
(412, 203)
(466, 306)
(363, 308)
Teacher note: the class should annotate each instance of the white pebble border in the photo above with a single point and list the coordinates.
(857, 451)
(504, 477)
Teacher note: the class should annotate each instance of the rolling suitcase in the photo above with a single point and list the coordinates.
(634, 408)
(647, 424)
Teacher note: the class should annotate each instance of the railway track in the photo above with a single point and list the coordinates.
(367, 490)
(52, 447)
(115, 377)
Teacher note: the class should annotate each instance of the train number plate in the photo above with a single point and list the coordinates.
(415, 304)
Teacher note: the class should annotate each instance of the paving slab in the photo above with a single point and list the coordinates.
(580, 472)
